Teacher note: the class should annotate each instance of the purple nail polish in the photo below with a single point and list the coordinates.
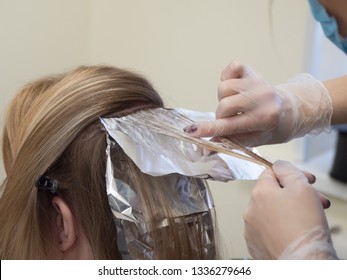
(328, 204)
(190, 129)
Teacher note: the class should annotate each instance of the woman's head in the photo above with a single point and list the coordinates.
(52, 128)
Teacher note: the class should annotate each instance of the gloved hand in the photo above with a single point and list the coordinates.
(285, 218)
(255, 113)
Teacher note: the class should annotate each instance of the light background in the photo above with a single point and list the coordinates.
(181, 46)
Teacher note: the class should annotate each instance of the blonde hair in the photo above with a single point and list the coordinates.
(52, 127)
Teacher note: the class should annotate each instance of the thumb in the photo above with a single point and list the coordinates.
(267, 179)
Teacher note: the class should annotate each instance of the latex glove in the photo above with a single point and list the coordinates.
(254, 112)
(287, 222)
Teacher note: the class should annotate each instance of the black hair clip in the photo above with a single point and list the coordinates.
(44, 183)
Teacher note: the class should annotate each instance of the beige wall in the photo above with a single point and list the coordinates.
(39, 37)
(181, 46)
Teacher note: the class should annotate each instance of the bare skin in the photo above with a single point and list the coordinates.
(338, 93)
(337, 9)
(71, 241)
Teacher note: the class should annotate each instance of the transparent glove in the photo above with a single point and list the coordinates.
(286, 222)
(313, 244)
(255, 113)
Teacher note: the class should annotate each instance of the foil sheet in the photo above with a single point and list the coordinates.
(193, 197)
(183, 166)
(157, 153)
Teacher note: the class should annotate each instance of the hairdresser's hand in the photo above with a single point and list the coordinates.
(254, 112)
(286, 222)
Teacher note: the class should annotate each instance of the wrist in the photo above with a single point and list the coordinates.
(337, 90)
(314, 244)
(310, 103)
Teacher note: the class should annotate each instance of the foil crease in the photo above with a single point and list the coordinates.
(182, 164)
(193, 197)
(158, 154)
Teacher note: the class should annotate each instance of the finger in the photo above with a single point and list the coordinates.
(233, 105)
(310, 177)
(324, 200)
(232, 87)
(283, 167)
(288, 175)
(229, 87)
(233, 71)
(221, 127)
(249, 139)
(267, 179)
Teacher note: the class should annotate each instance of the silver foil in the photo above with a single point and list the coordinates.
(193, 197)
(159, 154)
(155, 152)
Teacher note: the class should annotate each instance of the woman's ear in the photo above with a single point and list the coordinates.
(64, 224)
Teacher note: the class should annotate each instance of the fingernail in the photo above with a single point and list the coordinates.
(312, 180)
(208, 153)
(328, 203)
(325, 202)
(190, 129)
